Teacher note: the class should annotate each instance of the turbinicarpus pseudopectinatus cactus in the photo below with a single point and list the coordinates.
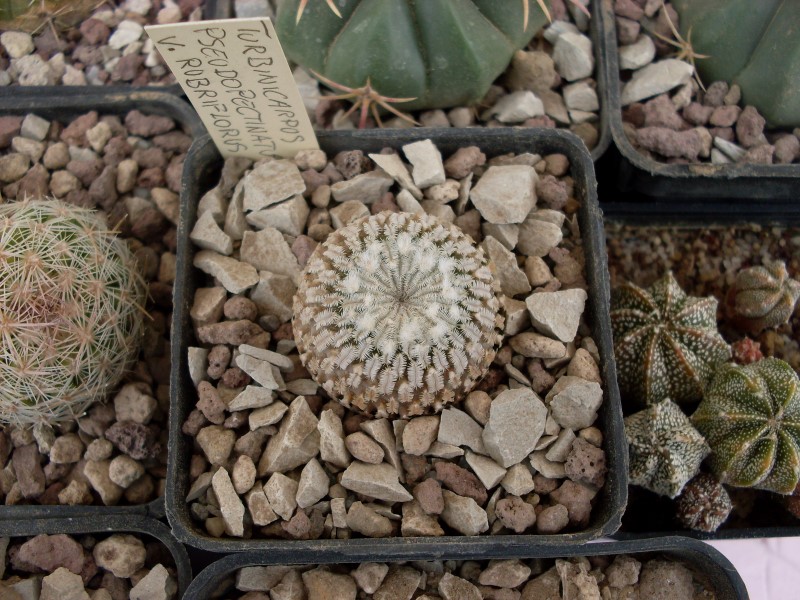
(71, 311)
(397, 314)
(750, 417)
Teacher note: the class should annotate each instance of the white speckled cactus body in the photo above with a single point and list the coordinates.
(70, 311)
(397, 314)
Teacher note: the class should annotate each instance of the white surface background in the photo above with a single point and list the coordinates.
(770, 568)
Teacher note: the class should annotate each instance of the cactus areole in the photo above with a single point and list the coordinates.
(753, 43)
(440, 52)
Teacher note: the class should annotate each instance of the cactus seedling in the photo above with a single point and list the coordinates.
(666, 343)
(665, 450)
(704, 504)
(750, 416)
(70, 310)
(763, 297)
(396, 314)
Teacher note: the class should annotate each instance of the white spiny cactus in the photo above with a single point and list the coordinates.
(71, 306)
(397, 314)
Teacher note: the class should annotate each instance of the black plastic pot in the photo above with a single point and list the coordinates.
(53, 105)
(201, 172)
(218, 578)
(107, 524)
(648, 514)
(763, 185)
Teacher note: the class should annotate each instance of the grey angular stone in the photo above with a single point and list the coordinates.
(463, 514)
(376, 481)
(428, 168)
(516, 422)
(235, 276)
(287, 217)
(267, 250)
(367, 187)
(296, 442)
(505, 194)
(230, 506)
(656, 78)
(271, 182)
(557, 313)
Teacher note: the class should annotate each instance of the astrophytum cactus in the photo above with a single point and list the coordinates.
(666, 343)
(70, 310)
(751, 418)
(665, 450)
(397, 314)
(763, 297)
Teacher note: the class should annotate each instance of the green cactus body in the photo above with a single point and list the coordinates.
(665, 450)
(751, 418)
(754, 43)
(441, 52)
(763, 297)
(666, 343)
(70, 311)
(32, 15)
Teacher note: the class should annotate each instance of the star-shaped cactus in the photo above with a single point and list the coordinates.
(763, 297)
(751, 419)
(704, 504)
(666, 343)
(665, 450)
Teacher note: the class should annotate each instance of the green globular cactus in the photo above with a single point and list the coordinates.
(441, 52)
(397, 314)
(664, 449)
(666, 343)
(71, 316)
(763, 297)
(754, 44)
(750, 416)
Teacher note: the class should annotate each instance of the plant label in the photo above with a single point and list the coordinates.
(235, 74)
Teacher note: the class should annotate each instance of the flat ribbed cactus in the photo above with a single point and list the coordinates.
(664, 449)
(396, 314)
(704, 504)
(751, 418)
(753, 44)
(440, 52)
(666, 343)
(763, 297)
(70, 310)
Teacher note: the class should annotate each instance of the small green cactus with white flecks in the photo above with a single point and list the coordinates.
(763, 297)
(397, 314)
(666, 343)
(71, 312)
(704, 504)
(665, 450)
(751, 418)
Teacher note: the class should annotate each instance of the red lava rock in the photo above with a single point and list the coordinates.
(87, 54)
(628, 31)
(715, 94)
(634, 114)
(229, 332)
(697, 114)
(577, 498)
(759, 155)
(415, 467)
(724, 116)
(85, 170)
(95, 31)
(240, 307)
(28, 470)
(787, 149)
(150, 178)
(385, 202)
(461, 481)
(586, 464)
(35, 183)
(429, 495)
(149, 157)
(74, 134)
(210, 404)
(284, 332)
(552, 519)
(303, 247)
(174, 173)
(9, 129)
(515, 514)
(669, 143)
(541, 380)
(750, 127)
(116, 150)
(49, 552)
(464, 161)
(235, 378)
(661, 112)
(103, 190)
(551, 192)
(628, 9)
(313, 179)
(134, 439)
(194, 423)
(127, 67)
(350, 163)
(147, 125)
(218, 360)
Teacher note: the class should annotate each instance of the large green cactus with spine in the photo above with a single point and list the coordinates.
(440, 52)
(754, 43)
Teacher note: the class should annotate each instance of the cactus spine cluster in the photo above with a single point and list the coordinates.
(71, 311)
(397, 314)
